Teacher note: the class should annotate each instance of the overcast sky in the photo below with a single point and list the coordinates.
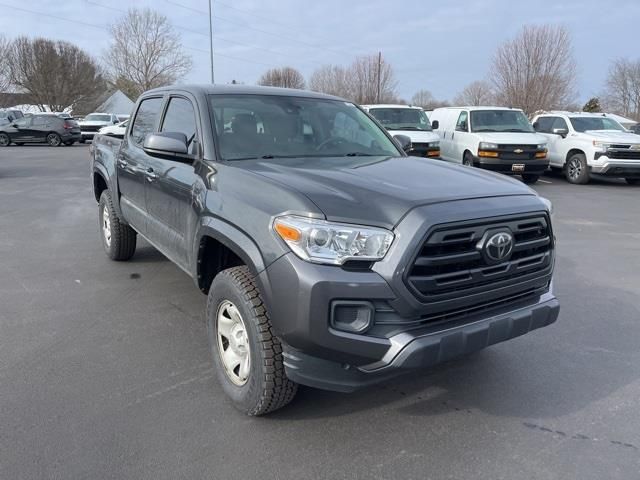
(440, 46)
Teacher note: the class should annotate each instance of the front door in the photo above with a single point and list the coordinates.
(131, 163)
(460, 137)
(20, 130)
(172, 187)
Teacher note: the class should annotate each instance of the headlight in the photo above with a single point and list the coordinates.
(601, 145)
(487, 146)
(541, 146)
(434, 144)
(319, 241)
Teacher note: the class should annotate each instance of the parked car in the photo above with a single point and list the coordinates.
(40, 128)
(115, 130)
(329, 257)
(635, 128)
(93, 122)
(493, 138)
(585, 143)
(410, 121)
(9, 115)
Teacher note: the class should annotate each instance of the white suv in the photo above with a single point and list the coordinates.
(584, 143)
(411, 122)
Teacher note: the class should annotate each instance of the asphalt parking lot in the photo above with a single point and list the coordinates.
(105, 373)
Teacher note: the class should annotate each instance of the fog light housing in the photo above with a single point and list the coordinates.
(352, 315)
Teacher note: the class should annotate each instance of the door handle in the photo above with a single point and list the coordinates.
(151, 175)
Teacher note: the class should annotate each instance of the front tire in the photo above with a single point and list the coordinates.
(632, 181)
(54, 140)
(246, 353)
(468, 160)
(576, 169)
(5, 141)
(118, 239)
(530, 178)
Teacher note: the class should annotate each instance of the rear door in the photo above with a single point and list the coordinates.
(171, 184)
(131, 163)
(40, 126)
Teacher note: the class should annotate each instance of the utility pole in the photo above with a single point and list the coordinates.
(211, 39)
(379, 67)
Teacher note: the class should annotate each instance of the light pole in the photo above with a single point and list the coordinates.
(211, 40)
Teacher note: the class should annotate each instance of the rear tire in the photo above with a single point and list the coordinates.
(530, 178)
(576, 169)
(246, 353)
(54, 140)
(118, 239)
(5, 140)
(632, 181)
(467, 159)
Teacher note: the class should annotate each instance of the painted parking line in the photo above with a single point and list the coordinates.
(545, 181)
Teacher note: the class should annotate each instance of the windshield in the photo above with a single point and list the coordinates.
(402, 118)
(500, 121)
(97, 118)
(270, 126)
(583, 124)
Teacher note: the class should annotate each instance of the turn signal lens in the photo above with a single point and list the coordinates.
(483, 153)
(288, 233)
(541, 154)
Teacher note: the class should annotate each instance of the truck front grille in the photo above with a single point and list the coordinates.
(517, 152)
(451, 269)
(621, 154)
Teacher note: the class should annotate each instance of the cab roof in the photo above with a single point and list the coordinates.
(209, 89)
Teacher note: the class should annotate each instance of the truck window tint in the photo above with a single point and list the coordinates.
(255, 126)
(180, 117)
(559, 122)
(462, 125)
(544, 124)
(146, 119)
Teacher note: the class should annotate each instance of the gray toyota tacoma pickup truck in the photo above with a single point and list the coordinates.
(330, 258)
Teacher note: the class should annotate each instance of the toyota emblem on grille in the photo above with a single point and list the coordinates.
(499, 246)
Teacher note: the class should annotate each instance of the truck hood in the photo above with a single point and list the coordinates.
(381, 190)
(417, 136)
(613, 136)
(512, 138)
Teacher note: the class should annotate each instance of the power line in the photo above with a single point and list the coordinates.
(244, 25)
(80, 22)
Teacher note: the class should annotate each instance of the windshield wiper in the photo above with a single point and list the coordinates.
(484, 130)
(359, 154)
(516, 130)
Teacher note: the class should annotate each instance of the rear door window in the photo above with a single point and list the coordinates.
(146, 119)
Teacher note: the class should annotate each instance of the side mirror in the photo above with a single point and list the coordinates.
(535, 126)
(404, 142)
(435, 125)
(563, 132)
(169, 145)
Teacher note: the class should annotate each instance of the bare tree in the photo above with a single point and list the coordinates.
(286, 77)
(57, 74)
(623, 88)
(374, 80)
(535, 70)
(5, 79)
(422, 98)
(333, 80)
(474, 94)
(145, 53)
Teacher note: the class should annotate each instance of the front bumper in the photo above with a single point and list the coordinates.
(536, 166)
(88, 135)
(407, 332)
(421, 349)
(616, 168)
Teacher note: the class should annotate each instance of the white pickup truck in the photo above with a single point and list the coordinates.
(585, 143)
(92, 123)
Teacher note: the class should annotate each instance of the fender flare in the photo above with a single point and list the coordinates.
(232, 238)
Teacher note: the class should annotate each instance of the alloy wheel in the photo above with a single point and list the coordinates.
(4, 140)
(53, 139)
(575, 168)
